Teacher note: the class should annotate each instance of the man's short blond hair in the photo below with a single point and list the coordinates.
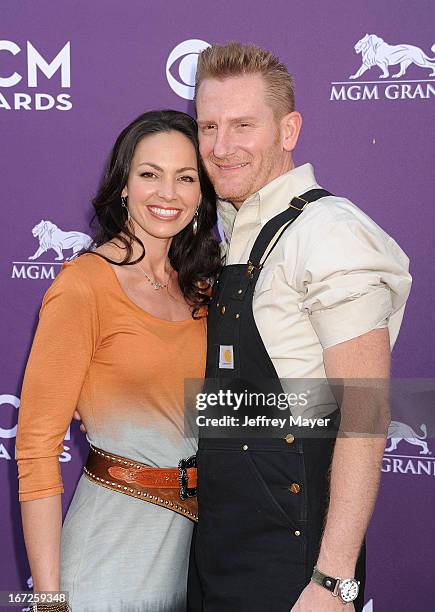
(236, 59)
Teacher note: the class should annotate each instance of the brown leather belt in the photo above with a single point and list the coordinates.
(172, 488)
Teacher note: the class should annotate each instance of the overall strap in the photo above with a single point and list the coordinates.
(283, 220)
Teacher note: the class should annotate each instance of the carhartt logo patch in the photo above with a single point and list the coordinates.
(226, 356)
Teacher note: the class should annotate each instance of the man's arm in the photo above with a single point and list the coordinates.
(356, 464)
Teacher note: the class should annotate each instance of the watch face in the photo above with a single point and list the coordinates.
(348, 590)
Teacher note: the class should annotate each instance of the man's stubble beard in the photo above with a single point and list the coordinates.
(235, 198)
(223, 194)
(271, 158)
(248, 188)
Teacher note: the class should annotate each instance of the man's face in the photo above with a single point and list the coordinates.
(241, 140)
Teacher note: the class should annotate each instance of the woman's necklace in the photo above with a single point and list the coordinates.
(154, 284)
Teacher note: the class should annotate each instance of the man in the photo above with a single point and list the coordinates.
(324, 298)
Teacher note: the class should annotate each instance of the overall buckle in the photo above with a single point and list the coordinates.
(296, 207)
(251, 267)
(183, 479)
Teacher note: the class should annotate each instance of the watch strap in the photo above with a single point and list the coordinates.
(327, 582)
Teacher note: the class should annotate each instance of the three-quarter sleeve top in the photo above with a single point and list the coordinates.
(124, 369)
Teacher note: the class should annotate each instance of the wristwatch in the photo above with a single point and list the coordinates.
(345, 588)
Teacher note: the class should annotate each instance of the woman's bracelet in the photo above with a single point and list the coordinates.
(50, 607)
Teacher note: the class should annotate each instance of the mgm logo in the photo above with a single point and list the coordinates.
(377, 58)
(418, 465)
(50, 238)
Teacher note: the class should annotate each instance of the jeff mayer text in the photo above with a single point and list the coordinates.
(260, 421)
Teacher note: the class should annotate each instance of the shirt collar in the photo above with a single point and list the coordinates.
(271, 199)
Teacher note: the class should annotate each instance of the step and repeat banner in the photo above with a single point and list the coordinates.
(73, 74)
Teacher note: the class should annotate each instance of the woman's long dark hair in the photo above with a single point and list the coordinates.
(195, 257)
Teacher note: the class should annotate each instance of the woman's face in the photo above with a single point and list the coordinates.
(163, 187)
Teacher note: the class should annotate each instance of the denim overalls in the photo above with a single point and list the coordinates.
(262, 500)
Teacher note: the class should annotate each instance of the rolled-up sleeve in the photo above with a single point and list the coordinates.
(356, 279)
(62, 350)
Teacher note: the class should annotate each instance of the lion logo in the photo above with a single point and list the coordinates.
(375, 52)
(51, 237)
(401, 431)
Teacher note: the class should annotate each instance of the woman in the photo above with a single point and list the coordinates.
(120, 330)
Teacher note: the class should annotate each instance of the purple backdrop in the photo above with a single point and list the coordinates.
(72, 75)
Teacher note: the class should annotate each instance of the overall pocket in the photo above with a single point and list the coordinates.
(280, 483)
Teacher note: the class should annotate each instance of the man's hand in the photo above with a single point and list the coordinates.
(315, 598)
(77, 417)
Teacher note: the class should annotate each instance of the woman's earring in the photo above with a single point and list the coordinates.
(195, 222)
(125, 207)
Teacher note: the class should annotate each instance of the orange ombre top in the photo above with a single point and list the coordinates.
(123, 368)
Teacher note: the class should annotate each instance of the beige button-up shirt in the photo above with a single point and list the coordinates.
(334, 274)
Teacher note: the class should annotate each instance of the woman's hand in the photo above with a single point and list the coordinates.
(77, 417)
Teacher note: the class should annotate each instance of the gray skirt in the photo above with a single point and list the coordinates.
(122, 554)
